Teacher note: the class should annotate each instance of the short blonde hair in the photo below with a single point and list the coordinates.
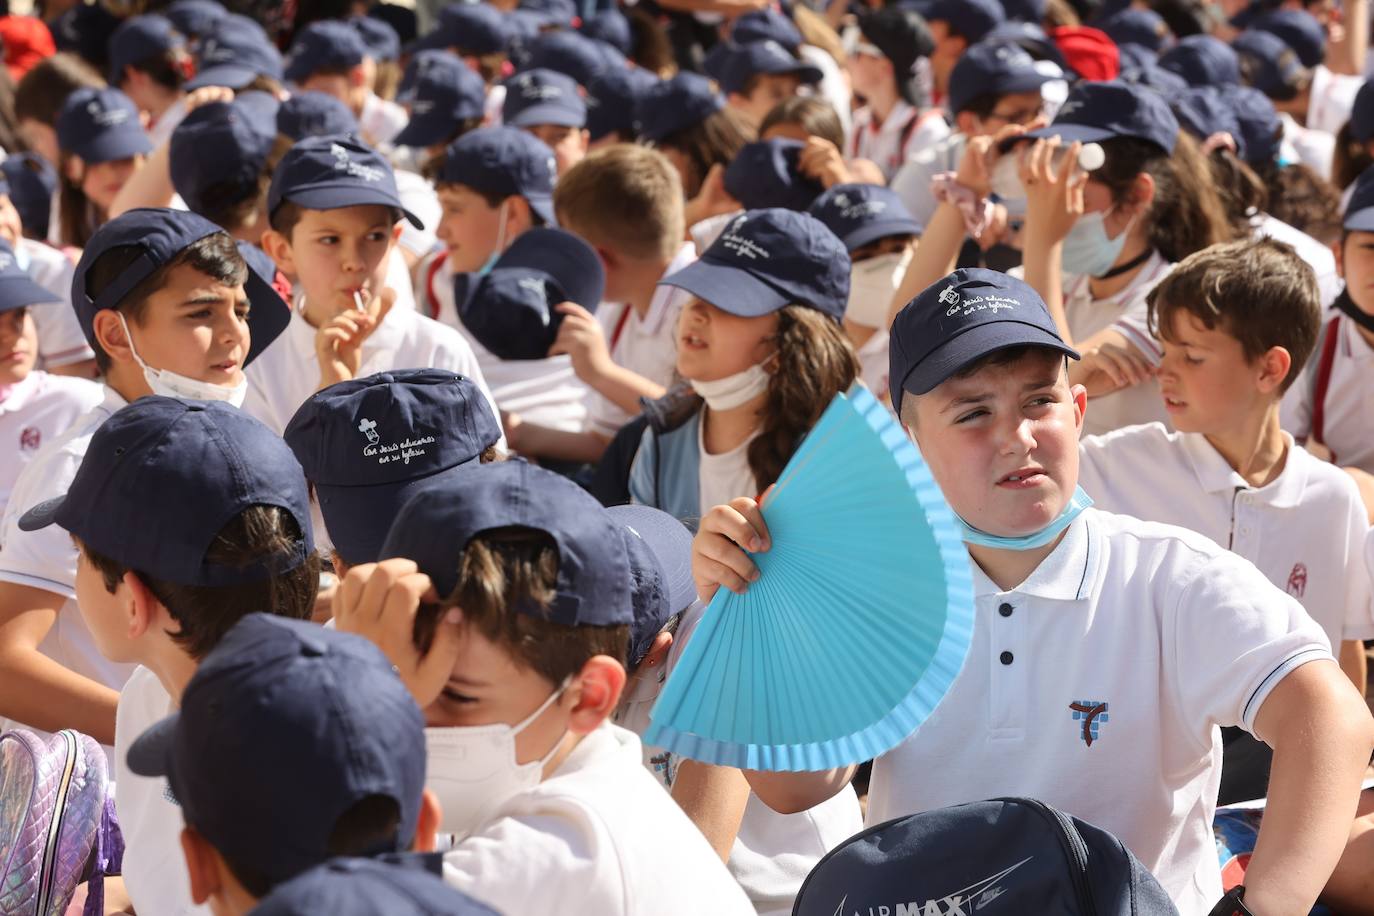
(625, 197)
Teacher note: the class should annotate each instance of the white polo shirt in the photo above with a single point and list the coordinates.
(1305, 530)
(1313, 148)
(902, 134)
(1348, 408)
(602, 833)
(1127, 313)
(154, 867)
(1163, 637)
(381, 120)
(287, 372)
(912, 181)
(46, 559)
(545, 392)
(419, 198)
(1318, 256)
(35, 411)
(646, 346)
(1332, 99)
(60, 339)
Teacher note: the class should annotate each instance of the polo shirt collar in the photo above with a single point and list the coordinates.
(1216, 476)
(1069, 573)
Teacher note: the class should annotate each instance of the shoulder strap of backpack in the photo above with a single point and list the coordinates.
(1326, 348)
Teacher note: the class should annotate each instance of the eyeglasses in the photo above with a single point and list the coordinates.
(1019, 116)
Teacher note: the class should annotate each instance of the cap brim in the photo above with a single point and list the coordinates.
(20, 292)
(348, 194)
(872, 232)
(116, 145)
(730, 289)
(555, 115)
(268, 315)
(42, 515)
(807, 73)
(151, 753)
(671, 544)
(974, 344)
(231, 76)
(1359, 221)
(543, 205)
(1067, 133)
(427, 129)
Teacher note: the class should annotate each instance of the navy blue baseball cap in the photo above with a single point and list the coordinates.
(163, 234)
(659, 548)
(505, 161)
(17, 289)
(1361, 117)
(1024, 11)
(139, 39)
(368, 887)
(611, 101)
(861, 214)
(972, 19)
(1206, 111)
(611, 27)
(1134, 26)
(766, 173)
(767, 259)
(474, 28)
(367, 444)
(743, 62)
(1270, 65)
(284, 727)
(441, 92)
(326, 173)
(541, 96)
(1298, 29)
(992, 69)
(1260, 124)
(162, 477)
(1149, 74)
(311, 114)
(1203, 61)
(676, 104)
(511, 310)
(557, 13)
(960, 319)
(85, 30)
(1359, 212)
(570, 53)
(234, 54)
(766, 25)
(1029, 37)
(220, 148)
(324, 45)
(195, 18)
(1094, 112)
(379, 37)
(31, 181)
(101, 125)
(593, 586)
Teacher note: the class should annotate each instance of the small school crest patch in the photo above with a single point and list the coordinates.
(1091, 715)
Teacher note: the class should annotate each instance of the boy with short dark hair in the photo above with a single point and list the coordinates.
(548, 105)
(330, 56)
(760, 75)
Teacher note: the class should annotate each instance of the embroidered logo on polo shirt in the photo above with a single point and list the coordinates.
(966, 900)
(1093, 715)
(1297, 580)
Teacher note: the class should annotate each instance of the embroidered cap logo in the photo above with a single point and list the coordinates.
(369, 428)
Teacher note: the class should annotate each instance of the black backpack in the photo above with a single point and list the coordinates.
(993, 858)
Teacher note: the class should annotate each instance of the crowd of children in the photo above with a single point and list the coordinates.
(389, 389)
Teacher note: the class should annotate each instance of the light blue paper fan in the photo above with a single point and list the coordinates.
(858, 623)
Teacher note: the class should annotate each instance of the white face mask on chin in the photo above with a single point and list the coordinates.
(171, 385)
(733, 390)
(872, 284)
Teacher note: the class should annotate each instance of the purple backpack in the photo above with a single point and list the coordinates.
(57, 823)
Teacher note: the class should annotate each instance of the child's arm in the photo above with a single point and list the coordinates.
(581, 337)
(714, 799)
(1110, 362)
(545, 442)
(35, 690)
(1322, 735)
(1054, 202)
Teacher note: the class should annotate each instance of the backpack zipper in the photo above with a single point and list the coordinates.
(48, 874)
(1075, 849)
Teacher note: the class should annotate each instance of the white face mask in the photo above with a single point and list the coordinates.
(473, 769)
(733, 390)
(872, 284)
(170, 385)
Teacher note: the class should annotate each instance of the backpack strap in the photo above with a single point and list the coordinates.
(1330, 338)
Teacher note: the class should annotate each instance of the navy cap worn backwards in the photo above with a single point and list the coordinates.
(1271, 66)
(743, 62)
(901, 34)
(324, 45)
(1203, 61)
(312, 114)
(367, 887)
(1133, 26)
(327, 173)
(659, 548)
(512, 309)
(101, 125)
(767, 259)
(1259, 123)
(861, 214)
(285, 726)
(221, 146)
(1359, 212)
(367, 444)
(767, 173)
(593, 583)
(163, 234)
(961, 319)
(992, 69)
(379, 37)
(17, 289)
(1298, 29)
(160, 480)
(1207, 111)
(139, 39)
(504, 161)
(766, 25)
(676, 104)
(540, 96)
(31, 181)
(611, 101)
(441, 92)
(1094, 112)
(237, 52)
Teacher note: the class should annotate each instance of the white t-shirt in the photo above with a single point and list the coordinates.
(1127, 313)
(1332, 99)
(1127, 619)
(154, 867)
(545, 392)
(46, 558)
(723, 477)
(902, 134)
(1318, 256)
(60, 339)
(36, 411)
(287, 372)
(381, 120)
(647, 346)
(1305, 530)
(598, 835)
(1313, 148)
(1348, 408)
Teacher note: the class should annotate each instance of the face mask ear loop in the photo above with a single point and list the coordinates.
(130, 338)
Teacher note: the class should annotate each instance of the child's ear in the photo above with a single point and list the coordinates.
(144, 609)
(357, 77)
(202, 866)
(1274, 364)
(396, 232)
(1143, 191)
(427, 823)
(520, 218)
(110, 333)
(1080, 406)
(600, 683)
(76, 169)
(278, 248)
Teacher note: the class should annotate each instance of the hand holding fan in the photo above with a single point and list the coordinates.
(857, 625)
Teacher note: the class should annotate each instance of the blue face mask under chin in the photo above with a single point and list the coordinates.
(1077, 503)
(500, 248)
